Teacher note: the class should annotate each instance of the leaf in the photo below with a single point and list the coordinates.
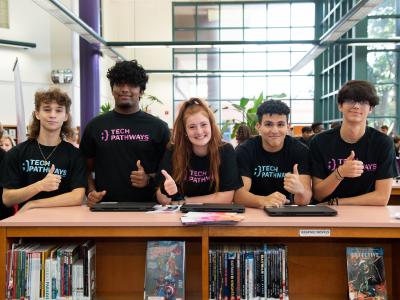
(243, 102)
(238, 107)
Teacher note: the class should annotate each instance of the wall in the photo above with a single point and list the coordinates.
(123, 20)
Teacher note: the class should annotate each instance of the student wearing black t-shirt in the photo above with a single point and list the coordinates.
(198, 167)
(5, 211)
(353, 164)
(45, 171)
(124, 146)
(274, 166)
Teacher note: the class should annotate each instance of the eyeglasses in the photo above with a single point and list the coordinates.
(354, 102)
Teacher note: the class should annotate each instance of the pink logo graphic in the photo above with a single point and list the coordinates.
(104, 135)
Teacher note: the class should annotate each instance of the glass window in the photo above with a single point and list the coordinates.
(278, 60)
(232, 15)
(231, 88)
(231, 61)
(254, 86)
(184, 88)
(184, 16)
(255, 15)
(208, 61)
(188, 35)
(255, 61)
(277, 85)
(185, 62)
(208, 16)
(278, 15)
(302, 112)
(302, 14)
(208, 35)
(302, 87)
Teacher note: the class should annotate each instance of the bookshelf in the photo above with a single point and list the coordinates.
(317, 264)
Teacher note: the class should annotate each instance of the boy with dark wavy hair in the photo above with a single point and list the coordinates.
(353, 164)
(123, 147)
(45, 170)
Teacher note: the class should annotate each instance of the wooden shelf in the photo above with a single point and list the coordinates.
(317, 265)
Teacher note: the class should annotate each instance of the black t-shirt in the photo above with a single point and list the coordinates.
(198, 181)
(116, 142)
(374, 149)
(5, 211)
(25, 165)
(267, 169)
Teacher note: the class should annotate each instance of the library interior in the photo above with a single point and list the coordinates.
(265, 134)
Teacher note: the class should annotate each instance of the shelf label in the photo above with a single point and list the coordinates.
(315, 232)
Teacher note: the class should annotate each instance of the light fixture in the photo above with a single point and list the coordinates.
(17, 44)
(69, 19)
(206, 44)
(61, 76)
(358, 12)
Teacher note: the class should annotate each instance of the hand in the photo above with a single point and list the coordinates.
(51, 182)
(169, 184)
(139, 178)
(292, 182)
(93, 197)
(275, 199)
(351, 167)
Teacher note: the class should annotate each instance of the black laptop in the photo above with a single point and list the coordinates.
(123, 206)
(301, 211)
(213, 207)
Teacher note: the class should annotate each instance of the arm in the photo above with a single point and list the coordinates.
(75, 197)
(49, 183)
(243, 196)
(93, 196)
(219, 197)
(322, 188)
(379, 197)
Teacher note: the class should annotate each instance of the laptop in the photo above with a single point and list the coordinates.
(300, 211)
(123, 206)
(213, 207)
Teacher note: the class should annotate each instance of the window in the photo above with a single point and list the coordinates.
(244, 71)
(4, 20)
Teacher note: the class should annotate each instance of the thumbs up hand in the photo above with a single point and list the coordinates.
(139, 178)
(51, 182)
(292, 182)
(169, 184)
(351, 167)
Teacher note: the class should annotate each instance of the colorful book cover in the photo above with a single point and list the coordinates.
(165, 270)
(366, 273)
(211, 218)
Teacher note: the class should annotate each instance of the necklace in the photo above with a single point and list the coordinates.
(51, 153)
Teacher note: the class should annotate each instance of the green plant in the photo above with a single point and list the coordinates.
(148, 100)
(105, 107)
(248, 108)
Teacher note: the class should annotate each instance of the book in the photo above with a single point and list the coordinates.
(366, 273)
(211, 218)
(165, 270)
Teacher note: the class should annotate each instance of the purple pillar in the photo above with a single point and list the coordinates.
(89, 12)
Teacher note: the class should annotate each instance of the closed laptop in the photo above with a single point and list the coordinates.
(123, 206)
(300, 211)
(212, 207)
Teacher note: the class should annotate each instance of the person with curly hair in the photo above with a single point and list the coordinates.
(243, 133)
(198, 167)
(45, 170)
(123, 147)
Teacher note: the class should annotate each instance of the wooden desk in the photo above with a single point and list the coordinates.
(317, 265)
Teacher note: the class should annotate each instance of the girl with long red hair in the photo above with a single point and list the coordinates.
(198, 167)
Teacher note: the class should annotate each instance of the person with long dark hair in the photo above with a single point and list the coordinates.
(198, 167)
(45, 170)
